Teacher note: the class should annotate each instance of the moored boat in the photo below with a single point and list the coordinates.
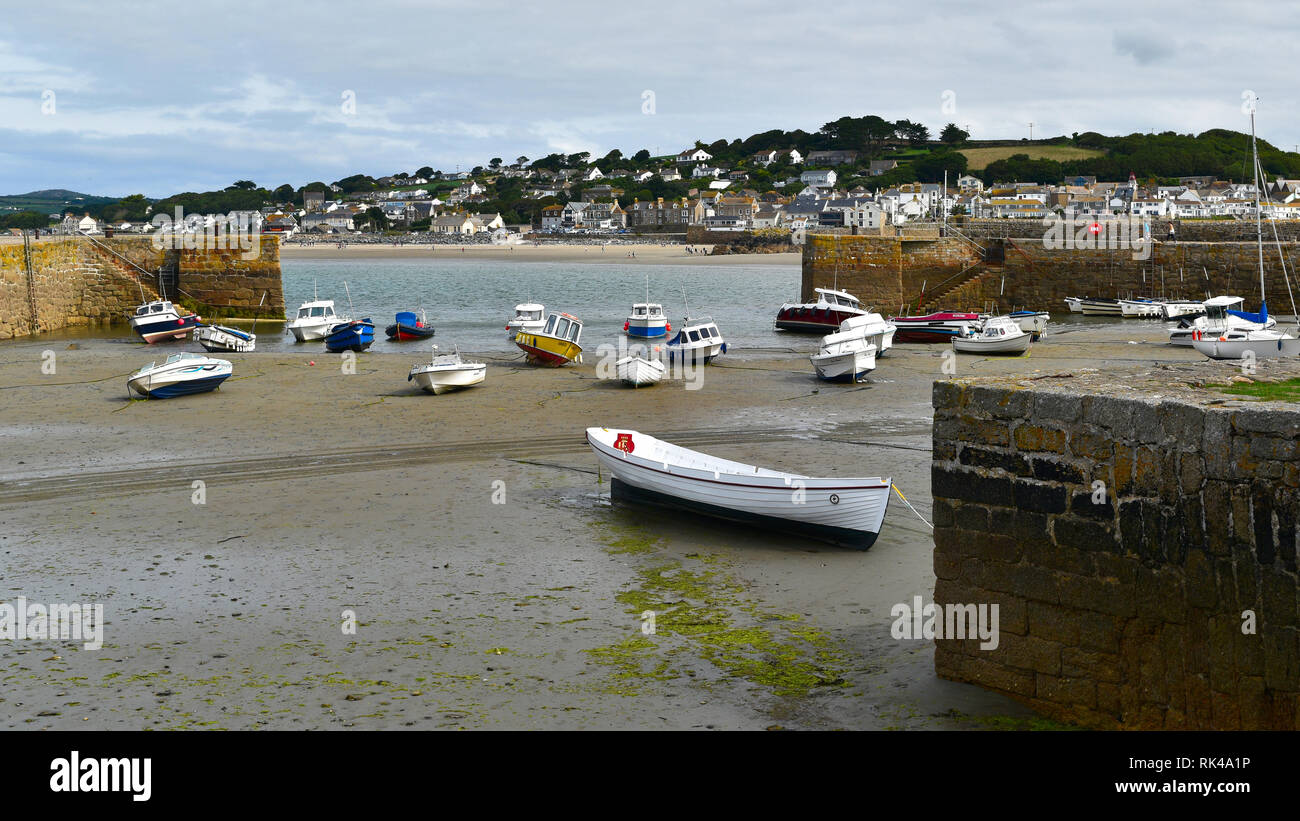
(1221, 315)
(699, 340)
(224, 339)
(1247, 344)
(1141, 308)
(874, 327)
(314, 320)
(846, 356)
(1000, 335)
(555, 344)
(936, 327)
(1175, 308)
(639, 370)
(1033, 323)
(408, 326)
(447, 372)
(823, 315)
(161, 320)
(180, 375)
(1074, 303)
(529, 316)
(847, 511)
(647, 321)
(356, 335)
(1100, 306)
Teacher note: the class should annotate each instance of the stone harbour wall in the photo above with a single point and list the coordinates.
(1139, 534)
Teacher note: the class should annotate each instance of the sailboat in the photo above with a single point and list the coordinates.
(1252, 343)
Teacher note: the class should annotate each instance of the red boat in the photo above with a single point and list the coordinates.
(821, 317)
(937, 327)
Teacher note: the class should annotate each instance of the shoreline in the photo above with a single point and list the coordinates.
(645, 254)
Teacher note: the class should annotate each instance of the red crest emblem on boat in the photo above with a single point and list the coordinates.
(624, 443)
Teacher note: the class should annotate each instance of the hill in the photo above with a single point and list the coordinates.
(52, 201)
(977, 159)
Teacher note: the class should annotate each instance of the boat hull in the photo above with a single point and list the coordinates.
(547, 351)
(310, 332)
(440, 381)
(844, 367)
(1099, 307)
(1033, 324)
(1216, 347)
(165, 329)
(812, 319)
(353, 336)
(220, 339)
(642, 329)
(636, 371)
(400, 332)
(1074, 304)
(1139, 309)
(1002, 345)
(935, 332)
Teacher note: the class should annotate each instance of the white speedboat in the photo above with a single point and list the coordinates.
(875, 328)
(447, 372)
(1075, 304)
(848, 511)
(223, 339)
(699, 340)
(1222, 314)
(1000, 335)
(1264, 344)
(314, 320)
(161, 320)
(182, 374)
(825, 314)
(846, 356)
(529, 316)
(638, 370)
(1140, 308)
(1175, 308)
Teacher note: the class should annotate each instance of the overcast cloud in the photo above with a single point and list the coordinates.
(161, 98)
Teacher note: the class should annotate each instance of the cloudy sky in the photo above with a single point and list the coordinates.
(121, 98)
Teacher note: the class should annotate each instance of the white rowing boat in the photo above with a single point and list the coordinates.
(847, 511)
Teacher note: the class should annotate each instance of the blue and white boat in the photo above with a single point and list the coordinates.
(182, 374)
(699, 340)
(160, 320)
(647, 321)
(224, 339)
(1033, 323)
(356, 335)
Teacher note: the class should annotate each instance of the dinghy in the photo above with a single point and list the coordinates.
(846, 511)
(224, 339)
(356, 335)
(180, 375)
(554, 345)
(639, 370)
(1000, 335)
(447, 372)
(821, 316)
(937, 327)
(408, 326)
(161, 320)
(846, 356)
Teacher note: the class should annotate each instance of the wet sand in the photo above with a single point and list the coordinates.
(639, 254)
(494, 585)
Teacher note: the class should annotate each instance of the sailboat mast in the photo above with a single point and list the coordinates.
(1259, 228)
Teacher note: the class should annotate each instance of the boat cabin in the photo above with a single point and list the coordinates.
(563, 326)
(161, 306)
(647, 310)
(1218, 307)
(1000, 326)
(529, 312)
(829, 297)
(704, 332)
(316, 310)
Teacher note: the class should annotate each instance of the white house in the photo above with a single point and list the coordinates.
(691, 155)
(824, 178)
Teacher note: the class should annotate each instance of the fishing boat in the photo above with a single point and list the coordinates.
(875, 328)
(408, 326)
(447, 372)
(180, 375)
(936, 327)
(224, 339)
(1141, 308)
(1100, 306)
(555, 344)
(639, 370)
(1074, 303)
(314, 320)
(1222, 314)
(1000, 335)
(647, 321)
(1033, 323)
(528, 316)
(161, 320)
(1175, 308)
(1252, 343)
(355, 335)
(846, 511)
(845, 356)
(699, 340)
(823, 315)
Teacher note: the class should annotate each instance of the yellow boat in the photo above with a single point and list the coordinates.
(554, 345)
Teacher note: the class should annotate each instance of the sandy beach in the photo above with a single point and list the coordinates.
(638, 254)
(473, 539)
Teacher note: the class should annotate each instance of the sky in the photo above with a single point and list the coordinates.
(153, 98)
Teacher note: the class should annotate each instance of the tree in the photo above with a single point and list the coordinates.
(284, 193)
(952, 135)
(376, 218)
(494, 163)
(26, 220)
(931, 167)
(641, 156)
(915, 133)
(424, 171)
(577, 160)
(521, 160)
(243, 185)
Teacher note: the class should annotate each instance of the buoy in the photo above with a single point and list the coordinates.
(313, 362)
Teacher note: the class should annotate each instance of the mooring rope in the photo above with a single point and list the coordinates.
(909, 505)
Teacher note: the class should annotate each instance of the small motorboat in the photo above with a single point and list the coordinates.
(355, 335)
(639, 370)
(1242, 344)
(1074, 303)
(1000, 335)
(408, 326)
(846, 356)
(874, 327)
(224, 339)
(314, 320)
(821, 316)
(647, 321)
(1033, 323)
(180, 375)
(529, 316)
(1141, 308)
(1175, 308)
(699, 340)
(1100, 306)
(937, 327)
(447, 372)
(161, 320)
(555, 344)
(1221, 315)
(846, 511)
